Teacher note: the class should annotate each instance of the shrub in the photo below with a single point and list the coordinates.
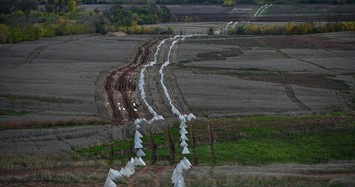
(16, 35)
(4, 33)
(292, 29)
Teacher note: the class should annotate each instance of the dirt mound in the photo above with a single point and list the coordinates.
(117, 34)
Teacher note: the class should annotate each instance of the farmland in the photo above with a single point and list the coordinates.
(272, 110)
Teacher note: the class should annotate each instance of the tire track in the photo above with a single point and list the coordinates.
(34, 54)
(120, 86)
(291, 95)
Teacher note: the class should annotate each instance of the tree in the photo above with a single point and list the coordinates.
(72, 6)
(61, 5)
(165, 14)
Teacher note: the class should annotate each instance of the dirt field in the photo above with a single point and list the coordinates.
(60, 78)
(295, 74)
(59, 81)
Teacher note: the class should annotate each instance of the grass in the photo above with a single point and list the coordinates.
(11, 113)
(255, 140)
(48, 123)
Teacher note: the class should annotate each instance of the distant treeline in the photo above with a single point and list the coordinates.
(216, 1)
(25, 23)
(291, 29)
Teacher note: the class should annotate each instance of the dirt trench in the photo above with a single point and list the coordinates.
(120, 86)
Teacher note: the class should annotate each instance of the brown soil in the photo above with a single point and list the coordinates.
(120, 86)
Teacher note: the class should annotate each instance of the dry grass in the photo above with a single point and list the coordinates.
(48, 161)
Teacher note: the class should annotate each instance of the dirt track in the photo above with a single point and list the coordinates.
(120, 87)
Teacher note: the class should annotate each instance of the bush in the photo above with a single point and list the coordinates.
(4, 33)
(16, 35)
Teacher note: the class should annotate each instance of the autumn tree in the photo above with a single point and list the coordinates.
(228, 2)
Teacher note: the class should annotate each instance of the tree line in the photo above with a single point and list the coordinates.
(22, 20)
(289, 29)
(224, 2)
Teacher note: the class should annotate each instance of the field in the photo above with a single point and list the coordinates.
(259, 74)
(272, 110)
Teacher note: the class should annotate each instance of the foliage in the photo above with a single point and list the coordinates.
(292, 29)
(4, 33)
(138, 15)
(61, 5)
(62, 18)
(170, 30)
(228, 2)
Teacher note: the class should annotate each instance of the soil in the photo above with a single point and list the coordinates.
(325, 174)
(277, 74)
(60, 79)
(120, 87)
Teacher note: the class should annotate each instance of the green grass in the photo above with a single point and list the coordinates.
(309, 139)
(11, 113)
(274, 145)
(104, 150)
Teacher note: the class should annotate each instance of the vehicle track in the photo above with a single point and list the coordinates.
(120, 87)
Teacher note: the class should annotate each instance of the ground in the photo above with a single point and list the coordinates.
(267, 74)
(58, 90)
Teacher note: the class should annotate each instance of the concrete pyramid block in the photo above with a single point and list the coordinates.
(113, 174)
(183, 137)
(187, 162)
(138, 145)
(185, 151)
(138, 140)
(138, 134)
(183, 143)
(183, 131)
(109, 183)
(191, 117)
(182, 118)
(140, 153)
(182, 125)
